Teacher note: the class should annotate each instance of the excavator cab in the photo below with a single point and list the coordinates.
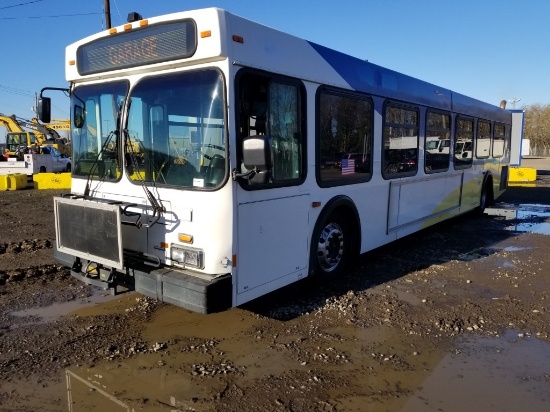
(17, 143)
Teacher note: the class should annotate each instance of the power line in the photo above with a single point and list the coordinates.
(43, 17)
(118, 10)
(39, 17)
(21, 4)
(12, 90)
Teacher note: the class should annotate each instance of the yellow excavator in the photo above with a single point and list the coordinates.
(19, 140)
(56, 124)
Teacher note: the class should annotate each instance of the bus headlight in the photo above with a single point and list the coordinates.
(188, 257)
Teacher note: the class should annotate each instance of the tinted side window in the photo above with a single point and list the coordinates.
(463, 143)
(400, 141)
(498, 140)
(483, 139)
(344, 125)
(437, 147)
(284, 128)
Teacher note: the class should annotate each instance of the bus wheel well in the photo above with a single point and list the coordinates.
(336, 238)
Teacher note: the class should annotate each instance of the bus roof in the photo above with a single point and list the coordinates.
(249, 44)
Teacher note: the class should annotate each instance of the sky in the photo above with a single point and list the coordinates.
(491, 50)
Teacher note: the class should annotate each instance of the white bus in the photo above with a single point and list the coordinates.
(210, 167)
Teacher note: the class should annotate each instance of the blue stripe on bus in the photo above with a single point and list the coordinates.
(370, 78)
(373, 79)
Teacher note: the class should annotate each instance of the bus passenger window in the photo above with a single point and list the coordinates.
(437, 147)
(345, 137)
(400, 145)
(464, 143)
(498, 141)
(483, 139)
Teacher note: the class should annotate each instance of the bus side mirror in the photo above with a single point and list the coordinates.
(78, 116)
(257, 153)
(44, 109)
(257, 158)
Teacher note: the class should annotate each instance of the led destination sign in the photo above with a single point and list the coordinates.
(147, 45)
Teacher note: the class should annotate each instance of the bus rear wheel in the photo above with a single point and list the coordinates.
(486, 198)
(332, 245)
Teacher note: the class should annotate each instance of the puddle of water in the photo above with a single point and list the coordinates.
(403, 292)
(135, 385)
(173, 379)
(531, 218)
(516, 249)
(509, 373)
(164, 382)
(473, 290)
(505, 374)
(53, 312)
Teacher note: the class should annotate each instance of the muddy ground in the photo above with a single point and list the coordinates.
(454, 318)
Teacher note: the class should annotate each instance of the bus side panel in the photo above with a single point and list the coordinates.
(273, 245)
(471, 189)
(413, 202)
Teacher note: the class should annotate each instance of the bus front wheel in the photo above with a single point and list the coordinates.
(332, 245)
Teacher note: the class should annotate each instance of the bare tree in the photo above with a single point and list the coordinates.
(537, 128)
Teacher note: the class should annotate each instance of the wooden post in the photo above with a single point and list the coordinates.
(107, 15)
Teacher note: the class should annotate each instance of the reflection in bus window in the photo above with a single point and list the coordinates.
(483, 139)
(438, 138)
(464, 143)
(176, 130)
(400, 151)
(273, 107)
(284, 129)
(345, 138)
(498, 140)
(95, 143)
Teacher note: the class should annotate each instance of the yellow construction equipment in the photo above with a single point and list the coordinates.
(19, 140)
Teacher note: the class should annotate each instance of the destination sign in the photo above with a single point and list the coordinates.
(147, 45)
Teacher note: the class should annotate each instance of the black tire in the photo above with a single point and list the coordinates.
(392, 169)
(42, 169)
(486, 198)
(483, 200)
(331, 246)
(68, 168)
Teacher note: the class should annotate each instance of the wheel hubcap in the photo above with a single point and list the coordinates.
(330, 248)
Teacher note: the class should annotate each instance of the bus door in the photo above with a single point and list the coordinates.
(272, 209)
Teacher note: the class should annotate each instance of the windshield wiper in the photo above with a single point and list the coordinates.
(95, 164)
(156, 204)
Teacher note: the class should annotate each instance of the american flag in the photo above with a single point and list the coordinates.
(348, 166)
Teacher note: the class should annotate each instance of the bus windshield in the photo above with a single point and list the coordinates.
(97, 109)
(176, 130)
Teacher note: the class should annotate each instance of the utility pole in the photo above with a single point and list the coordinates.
(107, 15)
(514, 100)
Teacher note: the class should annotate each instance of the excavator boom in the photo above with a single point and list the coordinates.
(43, 135)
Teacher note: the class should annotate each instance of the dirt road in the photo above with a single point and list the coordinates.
(454, 318)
